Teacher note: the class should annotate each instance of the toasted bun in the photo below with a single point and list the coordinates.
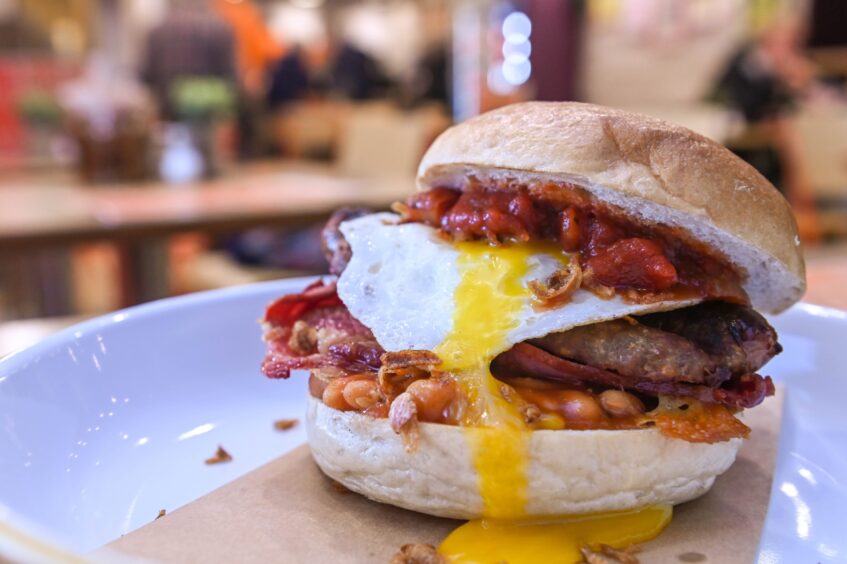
(569, 471)
(656, 172)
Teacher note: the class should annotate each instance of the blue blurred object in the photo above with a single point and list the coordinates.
(293, 249)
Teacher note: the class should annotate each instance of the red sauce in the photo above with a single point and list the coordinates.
(497, 216)
(643, 262)
(633, 263)
(431, 208)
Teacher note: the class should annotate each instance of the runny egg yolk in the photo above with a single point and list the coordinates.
(488, 300)
(553, 540)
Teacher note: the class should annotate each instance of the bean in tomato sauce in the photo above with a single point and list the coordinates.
(643, 262)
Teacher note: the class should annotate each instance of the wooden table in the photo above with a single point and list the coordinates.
(47, 219)
(59, 215)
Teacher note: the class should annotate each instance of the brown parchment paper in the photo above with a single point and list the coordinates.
(287, 511)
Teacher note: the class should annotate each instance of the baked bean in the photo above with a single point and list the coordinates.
(316, 386)
(550, 421)
(333, 395)
(432, 398)
(579, 408)
(618, 403)
(361, 394)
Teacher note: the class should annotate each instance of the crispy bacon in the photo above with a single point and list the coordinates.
(357, 354)
(335, 338)
(288, 309)
(524, 359)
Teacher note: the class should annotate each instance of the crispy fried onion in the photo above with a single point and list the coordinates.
(557, 288)
(418, 553)
(609, 555)
(401, 368)
(403, 417)
(530, 412)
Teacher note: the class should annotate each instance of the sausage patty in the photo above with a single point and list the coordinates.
(703, 344)
(635, 350)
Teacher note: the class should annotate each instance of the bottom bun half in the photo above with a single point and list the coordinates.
(568, 471)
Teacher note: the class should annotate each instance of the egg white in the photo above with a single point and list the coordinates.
(401, 280)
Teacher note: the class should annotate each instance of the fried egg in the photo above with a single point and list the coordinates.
(402, 279)
(468, 302)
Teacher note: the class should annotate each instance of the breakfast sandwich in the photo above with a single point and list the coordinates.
(564, 319)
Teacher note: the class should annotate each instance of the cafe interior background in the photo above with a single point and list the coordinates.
(151, 148)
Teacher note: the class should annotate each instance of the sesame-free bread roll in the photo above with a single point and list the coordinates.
(655, 172)
(568, 471)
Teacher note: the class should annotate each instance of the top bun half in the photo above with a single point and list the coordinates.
(654, 171)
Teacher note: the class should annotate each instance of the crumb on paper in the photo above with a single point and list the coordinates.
(285, 424)
(606, 554)
(162, 513)
(692, 557)
(220, 456)
(418, 553)
(339, 487)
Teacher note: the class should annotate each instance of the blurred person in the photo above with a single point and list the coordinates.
(289, 79)
(431, 81)
(763, 82)
(256, 47)
(256, 50)
(293, 249)
(192, 41)
(357, 75)
(765, 78)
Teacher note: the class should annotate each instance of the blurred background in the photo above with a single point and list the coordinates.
(151, 148)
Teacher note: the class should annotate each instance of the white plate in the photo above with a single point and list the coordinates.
(106, 423)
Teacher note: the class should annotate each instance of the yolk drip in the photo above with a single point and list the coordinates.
(488, 301)
(490, 295)
(554, 540)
